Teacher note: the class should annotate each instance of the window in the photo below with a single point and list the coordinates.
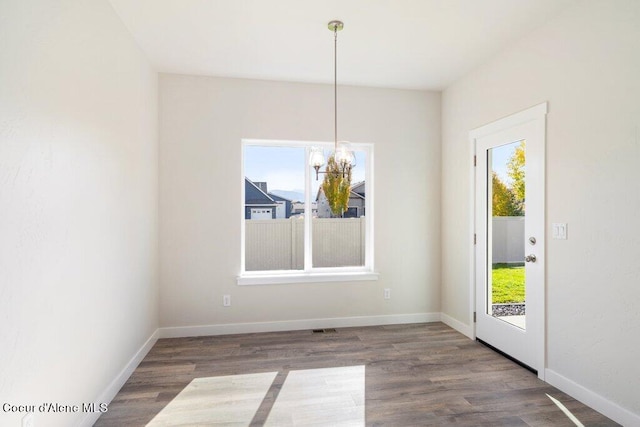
(352, 212)
(289, 233)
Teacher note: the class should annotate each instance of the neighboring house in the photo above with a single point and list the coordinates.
(357, 199)
(359, 188)
(356, 207)
(260, 204)
(285, 206)
(257, 203)
(298, 208)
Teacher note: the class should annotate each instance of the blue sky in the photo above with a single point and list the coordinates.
(500, 158)
(283, 168)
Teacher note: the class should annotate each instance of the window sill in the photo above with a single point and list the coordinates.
(277, 279)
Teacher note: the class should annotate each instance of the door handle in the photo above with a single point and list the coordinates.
(530, 258)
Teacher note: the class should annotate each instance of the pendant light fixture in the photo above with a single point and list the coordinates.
(342, 153)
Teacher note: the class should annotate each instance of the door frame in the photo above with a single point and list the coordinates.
(536, 113)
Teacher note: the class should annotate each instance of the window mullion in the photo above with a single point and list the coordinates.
(308, 215)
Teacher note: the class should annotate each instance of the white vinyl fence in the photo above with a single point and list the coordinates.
(278, 244)
(508, 239)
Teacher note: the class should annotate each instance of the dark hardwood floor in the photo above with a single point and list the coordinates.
(414, 375)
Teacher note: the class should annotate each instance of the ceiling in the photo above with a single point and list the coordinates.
(412, 44)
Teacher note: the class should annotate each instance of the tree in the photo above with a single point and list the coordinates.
(337, 187)
(504, 200)
(516, 171)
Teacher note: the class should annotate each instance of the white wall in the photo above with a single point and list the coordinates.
(202, 123)
(78, 203)
(586, 64)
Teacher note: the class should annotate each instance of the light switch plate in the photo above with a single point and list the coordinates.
(559, 231)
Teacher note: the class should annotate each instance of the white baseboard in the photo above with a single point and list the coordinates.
(592, 399)
(293, 325)
(463, 328)
(110, 392)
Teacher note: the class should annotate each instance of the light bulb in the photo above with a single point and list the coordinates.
(343, 155)
(316, 157)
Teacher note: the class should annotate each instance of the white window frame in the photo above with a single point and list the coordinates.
(310, 274)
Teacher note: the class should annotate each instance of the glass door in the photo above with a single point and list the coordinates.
(509, 227)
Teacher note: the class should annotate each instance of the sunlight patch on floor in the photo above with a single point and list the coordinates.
(224, 400)
(566, 411)
(331, 396)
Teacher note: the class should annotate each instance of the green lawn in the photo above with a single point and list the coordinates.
(508, 283)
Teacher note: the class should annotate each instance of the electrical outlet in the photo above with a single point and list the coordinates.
(226, 300)
(27, 420)
(387, 293)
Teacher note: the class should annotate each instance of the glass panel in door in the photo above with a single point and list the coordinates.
(506, 284)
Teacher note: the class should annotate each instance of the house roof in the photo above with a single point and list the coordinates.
(256, 201)
(279, 198)
(356, 195)
(357, 184)
(355, 188)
